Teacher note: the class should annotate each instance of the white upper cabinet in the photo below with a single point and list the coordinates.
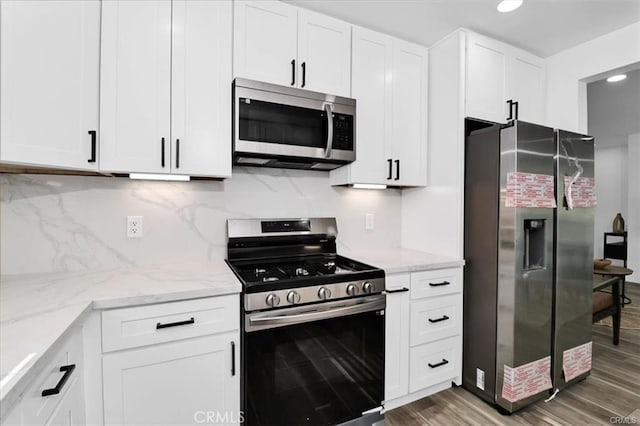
(266, 42)
(165, 89)
(389, 83)
(278, 43)
(527, 84)
(201, 88)
(324, 54)
(498, 73)
(486, 78)
(410, 86)
(135, 92)
(49, 83)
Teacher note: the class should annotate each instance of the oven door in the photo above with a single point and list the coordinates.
(271, 124)
(314, 365)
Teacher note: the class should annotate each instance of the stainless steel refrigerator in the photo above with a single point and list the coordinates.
(519, 317)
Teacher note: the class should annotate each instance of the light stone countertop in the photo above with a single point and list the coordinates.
(37, 310)
(399, 260)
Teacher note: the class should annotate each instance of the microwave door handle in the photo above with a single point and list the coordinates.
(329, 111)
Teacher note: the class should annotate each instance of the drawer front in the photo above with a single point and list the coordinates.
(436, 283)
(36, 408)
(434, 363)
(397, 281)
(435, 318)
(165, 322)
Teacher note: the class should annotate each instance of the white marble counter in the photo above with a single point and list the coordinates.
(36, 310)
(398, 260)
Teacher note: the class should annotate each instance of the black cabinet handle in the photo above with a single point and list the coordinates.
(93, 134)
(175, 324)
(177, 153)
(397, 170)
(439, 284)
(400, 290)
(442, 318)
(440, 364)
(67, 370)
(516, 115)
(233, 358)
(293, 72)
(390, 161)
(510, 103)
(162, 153)
(304, 74)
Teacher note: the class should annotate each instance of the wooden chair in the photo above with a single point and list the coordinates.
(608, 304)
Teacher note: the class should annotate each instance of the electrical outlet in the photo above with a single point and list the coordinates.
(134, 226)
(368, 221)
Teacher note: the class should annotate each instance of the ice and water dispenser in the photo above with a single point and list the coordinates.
(534, 244)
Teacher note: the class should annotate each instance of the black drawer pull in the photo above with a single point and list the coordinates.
(92, 133)
(442, 318)
(397, 170)
(177, 153)
(162, 153)
(67, 370)
(439, 284)
(175, 324)
(304, 74)
(400, 290)
(293, 72)
(440, 364)
(390, 175)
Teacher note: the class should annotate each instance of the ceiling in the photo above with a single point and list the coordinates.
(543, 27)
(614, 110)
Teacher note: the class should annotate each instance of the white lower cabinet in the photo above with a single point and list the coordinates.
(423, 352)
(181, 382)
(183, 368)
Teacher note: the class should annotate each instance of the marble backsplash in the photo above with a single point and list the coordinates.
(67, 223)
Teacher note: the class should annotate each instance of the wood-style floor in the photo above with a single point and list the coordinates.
(612, 389)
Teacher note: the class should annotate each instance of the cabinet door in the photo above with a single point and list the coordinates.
(409, 140)
(135, 86)
(49, 82)
(396, 373)
(527, 80)
(265, 41)
(486, 78)
(70, 410)
(201, 88)
(371, 87)
(324, 54)
(173, 383)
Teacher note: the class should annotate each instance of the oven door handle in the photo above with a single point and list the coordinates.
(270, 321)
(329, 111)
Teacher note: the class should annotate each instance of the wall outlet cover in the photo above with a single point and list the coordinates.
(134, 226)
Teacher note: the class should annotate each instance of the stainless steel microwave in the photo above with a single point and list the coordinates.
(280, 126)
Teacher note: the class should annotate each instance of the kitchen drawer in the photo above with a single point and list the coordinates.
(436, 283)
(397, 281)
(434, 363)
(165, 322)
(36, 408)
(435, 318)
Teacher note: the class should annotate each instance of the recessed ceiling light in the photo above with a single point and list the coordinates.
(509, 5)
(617, 77)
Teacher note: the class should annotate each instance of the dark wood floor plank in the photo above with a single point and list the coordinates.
(612, 389)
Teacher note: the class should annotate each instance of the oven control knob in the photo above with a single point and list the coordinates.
(367, 287)
(352, 290)
(293, 297)
(273, 300)
(324, 293)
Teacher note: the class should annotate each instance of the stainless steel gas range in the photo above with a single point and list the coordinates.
(313, 325)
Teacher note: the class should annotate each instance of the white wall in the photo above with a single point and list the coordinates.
(63, 223)
(566, 94)
(633, 206)
(611, 191)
